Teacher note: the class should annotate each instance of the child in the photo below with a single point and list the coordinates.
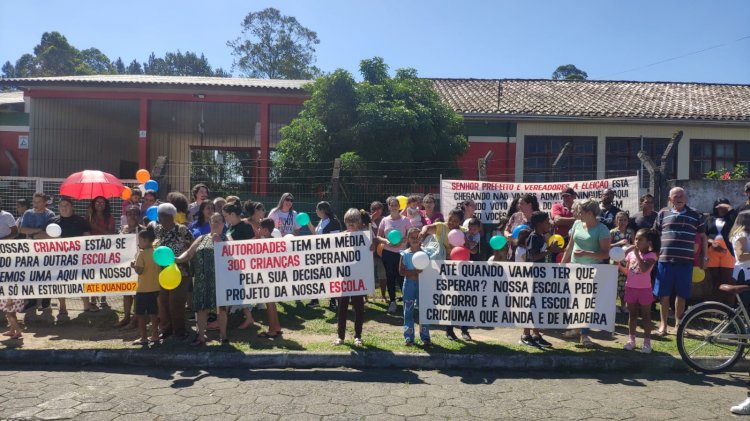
(521, 245)
(411, 289)
(640, 259)
(354, 220)
(473, 238)
(274, 326)
(413, 212)
(621, 236)
(538, 252)
(147, 292)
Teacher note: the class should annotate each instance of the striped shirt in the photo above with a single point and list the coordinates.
(678, 234)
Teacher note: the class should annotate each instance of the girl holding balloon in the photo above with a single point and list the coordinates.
(284, 216)
(408, 269)
(392, 233)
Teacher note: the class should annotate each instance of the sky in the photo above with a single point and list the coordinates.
(640, 40)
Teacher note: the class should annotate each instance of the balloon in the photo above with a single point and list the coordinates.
(163, 256)
(401, 202)
(518, 229)
(303, 219)
(460, 253)
(126, 193)
(456, 238)
(142, 176)
(152, 213)
(557, 238)
(394, 236)
(497, 242)
(420, 260)
(54, 230)
(276, 233)
(151, 185)
(617, 254)
(380, 249)
(289, 236)
(698, 274)
(170, 277)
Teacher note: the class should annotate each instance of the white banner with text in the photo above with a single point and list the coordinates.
(68, 267)
(493, 198)
(298, 268)
(529, 295)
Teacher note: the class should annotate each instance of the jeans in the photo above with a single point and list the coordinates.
(411, 294)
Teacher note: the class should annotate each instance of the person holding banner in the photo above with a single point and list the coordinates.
(172, 302)
(589, 244)
(8, 228)
(391, 251)
(131, 226)
(274, 325)
(328, 224)
(201, 255)
(102, 222)
(354, 221)
(284, 216)
(10, 307)
(238, 230)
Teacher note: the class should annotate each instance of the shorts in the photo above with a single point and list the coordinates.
(673, 277)
(379, 268)
(642, 296)
(146, 303)
(720, 259)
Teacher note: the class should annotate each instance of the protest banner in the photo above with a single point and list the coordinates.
(541, 295)
(68, 267)
(298, 268)
(493, 198)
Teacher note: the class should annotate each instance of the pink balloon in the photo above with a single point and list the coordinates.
(456, 238)
(460, 253)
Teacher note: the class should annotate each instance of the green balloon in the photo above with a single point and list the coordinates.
(497, 242)
(163, 256)
(303, 219)
(394, 236)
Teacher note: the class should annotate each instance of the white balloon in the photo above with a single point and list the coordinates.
(617, 254)
(286, 236)
(420, 260)
(54, 230)
(276, 233)
(456, 238)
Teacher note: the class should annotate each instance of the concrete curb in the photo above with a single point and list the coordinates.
(358, 360)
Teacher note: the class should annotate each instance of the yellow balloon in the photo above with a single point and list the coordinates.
(401, 202)
(557, 238)
(698, 274)
(170, 277)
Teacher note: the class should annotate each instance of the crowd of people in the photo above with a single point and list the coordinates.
(661, 249)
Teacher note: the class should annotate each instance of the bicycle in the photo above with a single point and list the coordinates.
(713, 336)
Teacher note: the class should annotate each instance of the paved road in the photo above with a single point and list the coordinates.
(157, 394)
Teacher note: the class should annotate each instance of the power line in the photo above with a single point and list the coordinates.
(679, 57)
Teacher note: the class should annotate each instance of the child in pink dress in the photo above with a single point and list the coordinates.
(640, 260)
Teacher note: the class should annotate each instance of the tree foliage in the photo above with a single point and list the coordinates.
(55, 56)
(275, 46)
(569, 72)
(383, 127)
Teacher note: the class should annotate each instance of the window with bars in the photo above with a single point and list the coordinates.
(541, 151)
(622, 157)
(716, 155)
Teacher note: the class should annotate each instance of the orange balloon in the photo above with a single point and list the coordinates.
(126, 193)
(142, 176)
(380, 249)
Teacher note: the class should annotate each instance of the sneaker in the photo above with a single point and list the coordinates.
(338, 341)
(465, 335)
(392, 307)
(313, 303)
(451, 335)
(408, 343)
(358, 342)
(646, 348)
(541, 341)
(427, 343)
(528, 340)
(741, 409)
(629, 345)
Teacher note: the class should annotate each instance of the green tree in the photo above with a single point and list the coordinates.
(93, 62)
(569, 72)
(383, 126)
(275, 46)
(119, 66)
(179, 64)
(56, 57)
(134, 68)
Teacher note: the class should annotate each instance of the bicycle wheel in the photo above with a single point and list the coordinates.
(707, 337)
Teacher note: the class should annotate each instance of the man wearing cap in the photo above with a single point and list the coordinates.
(609, 210)
(745, 206)
(562, 214)
(679, 227)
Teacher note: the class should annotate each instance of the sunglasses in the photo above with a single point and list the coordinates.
(289, 199)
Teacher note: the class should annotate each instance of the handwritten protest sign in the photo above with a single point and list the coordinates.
(285, 269)
(493, 198)
(541, 295)
(68, 267)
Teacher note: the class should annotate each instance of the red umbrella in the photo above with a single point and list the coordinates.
(89, 184)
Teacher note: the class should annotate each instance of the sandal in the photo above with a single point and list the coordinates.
(660, 333)
(16, 336)
(587, 343)
(121, 323)
(139, 342)
(266, 335)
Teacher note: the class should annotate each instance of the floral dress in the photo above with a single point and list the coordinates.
(178, 238)
(616, 235)
(204, 275)
(12, 305)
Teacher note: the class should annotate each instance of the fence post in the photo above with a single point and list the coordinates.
(335, 185)
(40, 186)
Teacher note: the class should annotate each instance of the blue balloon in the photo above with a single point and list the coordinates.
(151, 185)
(152, 213)
(518, 229)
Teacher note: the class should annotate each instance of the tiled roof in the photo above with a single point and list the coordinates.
(596, 99)
(14, 97)
(153, 81)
